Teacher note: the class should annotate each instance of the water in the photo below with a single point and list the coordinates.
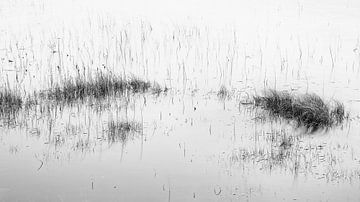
(191, 145)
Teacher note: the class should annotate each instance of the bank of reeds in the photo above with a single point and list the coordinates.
(307, 110)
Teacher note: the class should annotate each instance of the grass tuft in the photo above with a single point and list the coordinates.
(307, 110)
(101, 86)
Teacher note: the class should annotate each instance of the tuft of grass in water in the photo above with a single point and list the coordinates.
(223, 93)
(157, 89)
(10, 102)
(99, 87)
(307, 110)
(137, 85)
(338, 112)
(122, 131)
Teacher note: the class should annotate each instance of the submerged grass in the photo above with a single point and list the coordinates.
(307, 110)
(223, 93)
(99, 87)
(10, 102)
(122, 131)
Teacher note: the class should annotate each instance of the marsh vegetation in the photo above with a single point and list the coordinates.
(106, 108)
(122, 131)
(307, 110)
(10, 102)
(100, 87)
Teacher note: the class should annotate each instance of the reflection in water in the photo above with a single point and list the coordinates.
(137, 134)
(122, 131)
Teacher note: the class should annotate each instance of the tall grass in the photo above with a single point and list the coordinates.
(307, 110)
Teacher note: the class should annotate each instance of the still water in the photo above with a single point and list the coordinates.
(188, 144)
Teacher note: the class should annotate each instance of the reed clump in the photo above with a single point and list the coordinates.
(98, 87)
(307, 110)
